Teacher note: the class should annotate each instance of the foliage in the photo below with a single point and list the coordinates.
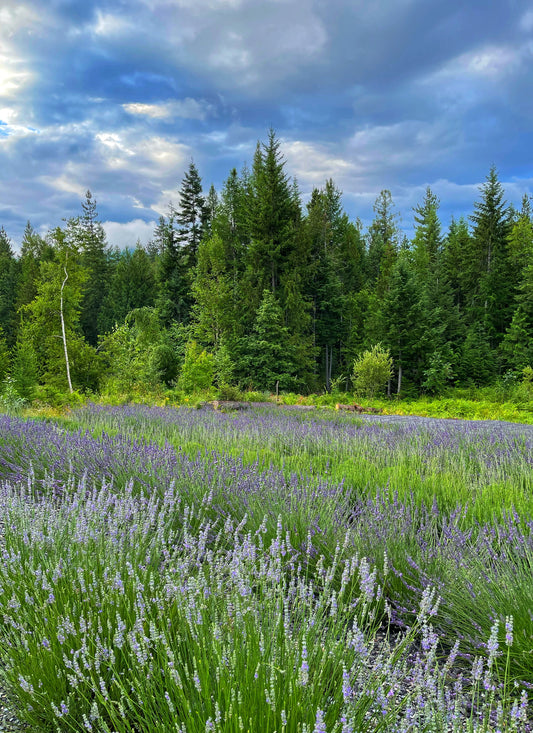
(439, 374)
(10, 399)
(137, 353)
(24, 369)
(269, 356)
(454, 306)
(198, 369)
(372, 370)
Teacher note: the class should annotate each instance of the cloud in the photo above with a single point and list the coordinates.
(190, 109)
(126, 234)
(111, 24)
(118, 97)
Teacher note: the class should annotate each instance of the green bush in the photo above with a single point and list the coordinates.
(198, 369)
(372, 370)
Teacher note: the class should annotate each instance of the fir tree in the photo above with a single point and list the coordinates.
(383, 242)
(427, 242)
(9, 274)
(269, 358)
(174, 300)
(192, 215)
(490, 270)
(90, 238)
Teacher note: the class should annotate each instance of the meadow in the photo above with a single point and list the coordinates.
(272, 570)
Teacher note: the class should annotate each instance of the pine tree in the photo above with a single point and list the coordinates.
(174, 299)
(268, 355)
(383, 242)
(9, 274)
(403, 317)
(192, 215)
(490, 270)
(427, 242)
(89, 236)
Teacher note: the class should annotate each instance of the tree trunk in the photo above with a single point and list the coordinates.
(64, 332)
(399, 380)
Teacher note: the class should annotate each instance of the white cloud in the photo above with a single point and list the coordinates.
(188, 108)
(232, 55)
(314, 163)
(109, 24)
(65, 182)
(491, 63)
(150, 156)
(126, 234)
(13, 76)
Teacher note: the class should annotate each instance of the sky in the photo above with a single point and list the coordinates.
(118, 97)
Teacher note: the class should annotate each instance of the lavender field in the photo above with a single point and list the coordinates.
(183, 570)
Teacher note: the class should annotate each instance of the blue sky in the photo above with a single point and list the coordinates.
(119, 96)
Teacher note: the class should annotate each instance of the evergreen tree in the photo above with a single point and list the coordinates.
(133, 285)
(455, 262)
(441, 329)
(403, 317)
(383, 242)
(272, 216)
(5, 358)
(268, 356)
(517, 345)
(521, 238)
(34, 250)
(192, 216)
(478, 363)
(427, 242)
(211, 208)
(89, 237)
(24, 369)
(490, 269)
(9, 274)
(326, 288)
(172, 275)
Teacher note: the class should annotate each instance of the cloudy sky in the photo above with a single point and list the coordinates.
(119, 96)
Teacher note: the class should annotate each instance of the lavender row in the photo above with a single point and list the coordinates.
(126, 612)
(460, 460)
(480, 570)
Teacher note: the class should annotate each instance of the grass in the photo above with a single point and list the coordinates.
(190, 571)
(486, 470)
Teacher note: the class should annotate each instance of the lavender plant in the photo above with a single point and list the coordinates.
(484, 466)
(145, 589)
(116, 621)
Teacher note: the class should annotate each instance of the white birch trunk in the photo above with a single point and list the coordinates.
(64, 332)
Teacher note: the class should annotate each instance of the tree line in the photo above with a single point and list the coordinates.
(248, 287)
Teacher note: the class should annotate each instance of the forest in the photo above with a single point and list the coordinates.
(249, 288)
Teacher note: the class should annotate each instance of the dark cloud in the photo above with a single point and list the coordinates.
(117, 96)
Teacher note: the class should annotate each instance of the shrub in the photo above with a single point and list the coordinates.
(198, 369)
(372, 370)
